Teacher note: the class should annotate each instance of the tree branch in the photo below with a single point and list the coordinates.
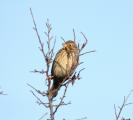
(48, 57)
(61, 100)
(120, 108)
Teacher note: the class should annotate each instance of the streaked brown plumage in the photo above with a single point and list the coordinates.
(64, 64)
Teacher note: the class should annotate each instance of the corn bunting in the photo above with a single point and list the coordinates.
(64, 64)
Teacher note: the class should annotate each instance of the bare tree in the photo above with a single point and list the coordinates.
(48, 54)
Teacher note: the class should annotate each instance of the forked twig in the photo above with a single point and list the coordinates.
(61, 100)
(85, 43)
(120, 109)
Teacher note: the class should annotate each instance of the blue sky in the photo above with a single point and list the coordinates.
(108, 25)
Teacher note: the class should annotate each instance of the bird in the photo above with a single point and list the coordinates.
(65, 62)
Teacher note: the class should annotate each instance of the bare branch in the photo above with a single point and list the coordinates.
(87, 52)
(38, 71)
(38, 91)
(63, 39)
(124, 104)
(36, 30)
(51, 107)
(84, 44)
(84, 118)
(74, 35)
(40, 102)
(73, 78)
(61, 99)
(52, 50)
(42, 116)
(125, 119)
(115, 111)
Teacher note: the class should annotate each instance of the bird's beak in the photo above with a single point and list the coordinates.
(65, 46)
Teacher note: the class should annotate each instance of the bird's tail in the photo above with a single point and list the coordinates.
(54, 89)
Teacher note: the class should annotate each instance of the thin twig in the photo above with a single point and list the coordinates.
(74, 35)
(40, 101)
(38, 91)
(52, 50)
(87, 52)
(84, 44)
(36, 30)
(63, 39)
(61, 99)
(73, 78)
(82, 118)
(38, 71)
(124, 104)
(42, 116)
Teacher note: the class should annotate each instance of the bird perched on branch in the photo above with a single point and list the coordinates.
(64, 65)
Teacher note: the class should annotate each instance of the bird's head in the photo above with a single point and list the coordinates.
(70, 45)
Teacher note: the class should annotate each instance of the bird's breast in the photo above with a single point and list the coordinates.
(65, 63)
